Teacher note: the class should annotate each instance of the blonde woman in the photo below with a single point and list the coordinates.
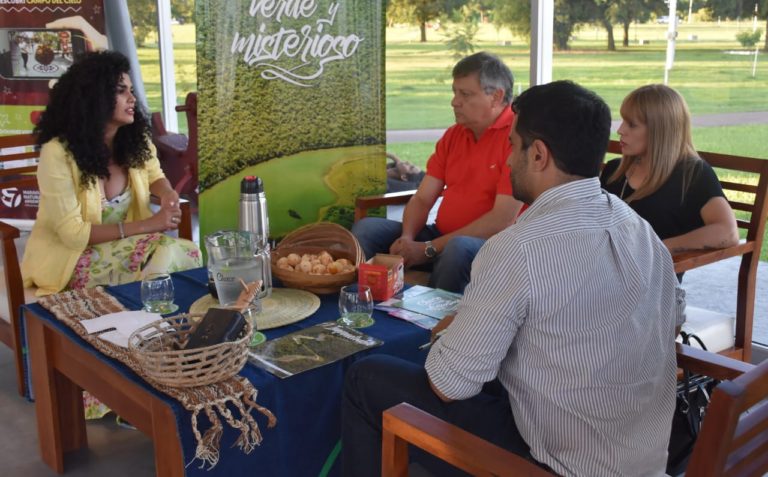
(663, 179)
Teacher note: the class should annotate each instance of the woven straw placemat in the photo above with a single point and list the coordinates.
(283, 307)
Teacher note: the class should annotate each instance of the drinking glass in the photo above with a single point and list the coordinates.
(355, 306)
(157, 293)
(251, 314)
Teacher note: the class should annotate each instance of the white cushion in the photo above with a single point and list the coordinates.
(29, 293)
(716, 330)
(5, 312)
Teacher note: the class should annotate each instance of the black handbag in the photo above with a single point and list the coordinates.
(693, 396)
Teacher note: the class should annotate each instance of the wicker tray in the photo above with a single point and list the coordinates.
(154, 348)
(314, 238)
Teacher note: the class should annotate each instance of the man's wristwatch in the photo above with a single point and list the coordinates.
(430, 251)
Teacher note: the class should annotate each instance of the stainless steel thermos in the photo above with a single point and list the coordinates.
(253, 217)
(253, 209)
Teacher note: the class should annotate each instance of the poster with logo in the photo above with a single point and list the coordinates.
(39, 40)
(292, 92)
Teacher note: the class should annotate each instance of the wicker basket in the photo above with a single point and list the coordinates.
(314, 238)
(154, 347)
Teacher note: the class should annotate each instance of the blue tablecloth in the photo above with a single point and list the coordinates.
(307, 406)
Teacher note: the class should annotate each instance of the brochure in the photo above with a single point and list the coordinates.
(422, 321)
(423, 306)
(309, 348)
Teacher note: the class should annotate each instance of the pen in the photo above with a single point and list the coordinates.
(429, 343)
(105, 330)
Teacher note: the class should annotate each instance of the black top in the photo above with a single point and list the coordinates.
(667, 210)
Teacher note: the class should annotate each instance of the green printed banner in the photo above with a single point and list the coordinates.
(291, 91)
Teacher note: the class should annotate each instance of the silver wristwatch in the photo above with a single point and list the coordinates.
(430, 251)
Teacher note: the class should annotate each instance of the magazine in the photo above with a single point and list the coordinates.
(309, 348)
(423, 306)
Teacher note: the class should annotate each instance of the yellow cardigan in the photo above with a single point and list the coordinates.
(66, 212)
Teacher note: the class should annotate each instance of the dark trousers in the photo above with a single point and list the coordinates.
(379, 382)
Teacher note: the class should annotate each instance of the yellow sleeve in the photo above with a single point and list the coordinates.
(154, 171)
(59, 202)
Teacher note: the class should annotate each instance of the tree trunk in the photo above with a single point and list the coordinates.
(423, 28)
(609, 28)
(625, 42)
(765, 47)
(561, 35)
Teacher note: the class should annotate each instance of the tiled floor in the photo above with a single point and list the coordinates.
(112, 451)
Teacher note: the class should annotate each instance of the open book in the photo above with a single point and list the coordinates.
(423, 306)
(309, 348)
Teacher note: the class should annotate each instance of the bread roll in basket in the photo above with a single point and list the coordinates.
(314, 239)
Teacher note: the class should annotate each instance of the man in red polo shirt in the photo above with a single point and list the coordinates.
(469, 169)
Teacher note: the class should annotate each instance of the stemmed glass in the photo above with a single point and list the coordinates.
(356, 306)
(250, 313)
(157, 294)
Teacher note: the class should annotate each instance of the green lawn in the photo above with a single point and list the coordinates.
(711, 78)
(185, 70)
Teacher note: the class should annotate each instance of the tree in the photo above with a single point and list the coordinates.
(740, 9)
(183, 10)
(730, 8)
(462, 33)
(421, 12)
(516, 15)
(144, 16)
(604, 12)
(400, 11)
(628, 11)
(749, 38)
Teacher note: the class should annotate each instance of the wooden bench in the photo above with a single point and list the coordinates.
(14, 148)
(733, 438)
(754, 203)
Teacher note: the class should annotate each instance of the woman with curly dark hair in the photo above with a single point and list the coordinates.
(97, 170)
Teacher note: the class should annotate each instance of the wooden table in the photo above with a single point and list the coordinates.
(307, 405)
(61, 369)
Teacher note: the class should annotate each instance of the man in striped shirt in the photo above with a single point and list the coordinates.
(573, 310)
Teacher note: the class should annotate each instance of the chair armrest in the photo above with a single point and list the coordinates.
(403, 424)
(8, 232)
(710, 364)
(688, 260)
(14, 287)
(362, 204)
(158, 126)
(185, 226)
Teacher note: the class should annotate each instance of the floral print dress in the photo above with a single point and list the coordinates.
(128, 260)
(132, 258)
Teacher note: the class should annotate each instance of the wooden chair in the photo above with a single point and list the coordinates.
(177, 152)
(363, 204)
(15, 176)
(733, 439)
(755, 204)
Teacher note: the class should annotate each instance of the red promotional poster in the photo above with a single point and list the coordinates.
(39, 40)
